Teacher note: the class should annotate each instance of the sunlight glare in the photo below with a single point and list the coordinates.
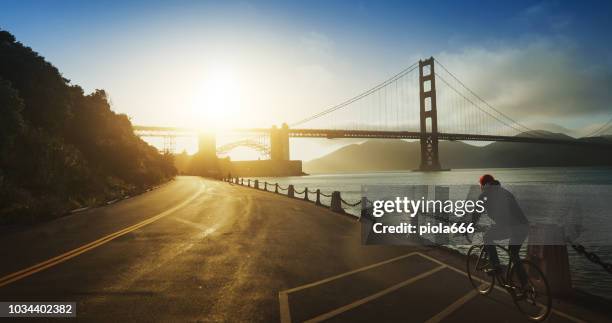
(217, 101)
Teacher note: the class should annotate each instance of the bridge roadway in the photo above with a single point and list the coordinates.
(153, 131)
(201, 250)
(336, 133)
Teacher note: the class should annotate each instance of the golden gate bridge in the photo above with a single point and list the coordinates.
(425, 102)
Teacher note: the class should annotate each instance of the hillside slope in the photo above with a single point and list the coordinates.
(61, 148)
(385, 155)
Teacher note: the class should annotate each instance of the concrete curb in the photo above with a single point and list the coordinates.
(81, 209)
(113, 201)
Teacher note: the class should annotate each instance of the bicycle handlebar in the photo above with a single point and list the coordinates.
(475, 218)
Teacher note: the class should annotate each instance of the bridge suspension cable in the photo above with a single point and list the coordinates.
(476, 105)
(601, 130)
(393, 105)
(356, 98)
(508, 121)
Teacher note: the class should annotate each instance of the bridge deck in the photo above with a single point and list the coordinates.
(147, 131)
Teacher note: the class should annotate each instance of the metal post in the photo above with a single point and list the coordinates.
(547, 249)
(256, 184)
(265, 186)
(318, 201)
(249, 182)
(336, 202)
(442, 193)
(306, 194)
(365, 211)
(276, 188)
(290, 191)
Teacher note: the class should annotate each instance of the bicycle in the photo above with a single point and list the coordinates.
(534, 300)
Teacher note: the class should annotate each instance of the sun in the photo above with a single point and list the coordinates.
(217, 101)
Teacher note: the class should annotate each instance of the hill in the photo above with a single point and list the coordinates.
(385, 155)
(61, 148)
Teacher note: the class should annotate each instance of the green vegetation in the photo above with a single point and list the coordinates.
(61, 149)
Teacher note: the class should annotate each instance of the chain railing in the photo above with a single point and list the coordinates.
(350, 204)
(336, 200)
(592, 257)
(580, 249)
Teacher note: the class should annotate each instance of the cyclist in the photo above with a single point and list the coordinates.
(510, 223)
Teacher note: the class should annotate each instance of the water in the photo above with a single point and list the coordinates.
(586, 275)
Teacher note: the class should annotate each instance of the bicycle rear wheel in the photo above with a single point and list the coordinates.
(477, 262)
(536, 303)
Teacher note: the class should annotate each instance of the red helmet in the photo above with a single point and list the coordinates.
(486, 179)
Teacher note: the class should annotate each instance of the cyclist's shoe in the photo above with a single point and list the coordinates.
(520, 293)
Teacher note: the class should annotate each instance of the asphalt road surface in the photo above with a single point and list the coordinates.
(202, 250)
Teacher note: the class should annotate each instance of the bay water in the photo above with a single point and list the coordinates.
(586, 275)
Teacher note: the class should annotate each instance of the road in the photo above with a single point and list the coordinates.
(202, 250)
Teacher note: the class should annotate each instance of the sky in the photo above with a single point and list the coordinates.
(225, 64)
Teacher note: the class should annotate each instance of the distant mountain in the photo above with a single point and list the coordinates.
(385, 154)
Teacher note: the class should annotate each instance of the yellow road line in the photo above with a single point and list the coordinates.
(94, 244)
(374, 296)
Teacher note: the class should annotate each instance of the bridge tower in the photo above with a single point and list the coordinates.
(430, 160)
(207, 146)
(169, 144)
(279, 142)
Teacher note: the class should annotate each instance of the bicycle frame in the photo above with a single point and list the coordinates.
(520, 294)
(502, 279)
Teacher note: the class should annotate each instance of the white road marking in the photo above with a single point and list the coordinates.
(374, 296)
(567, 316)
(326, 280)
(285, 314)
(453, 307)
(562, 314)
(283, 296)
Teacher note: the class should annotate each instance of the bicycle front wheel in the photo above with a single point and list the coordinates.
(536, 301)
(477, 262)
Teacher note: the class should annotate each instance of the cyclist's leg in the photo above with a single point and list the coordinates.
(494, 233)
(519, 234)
(516, 259)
